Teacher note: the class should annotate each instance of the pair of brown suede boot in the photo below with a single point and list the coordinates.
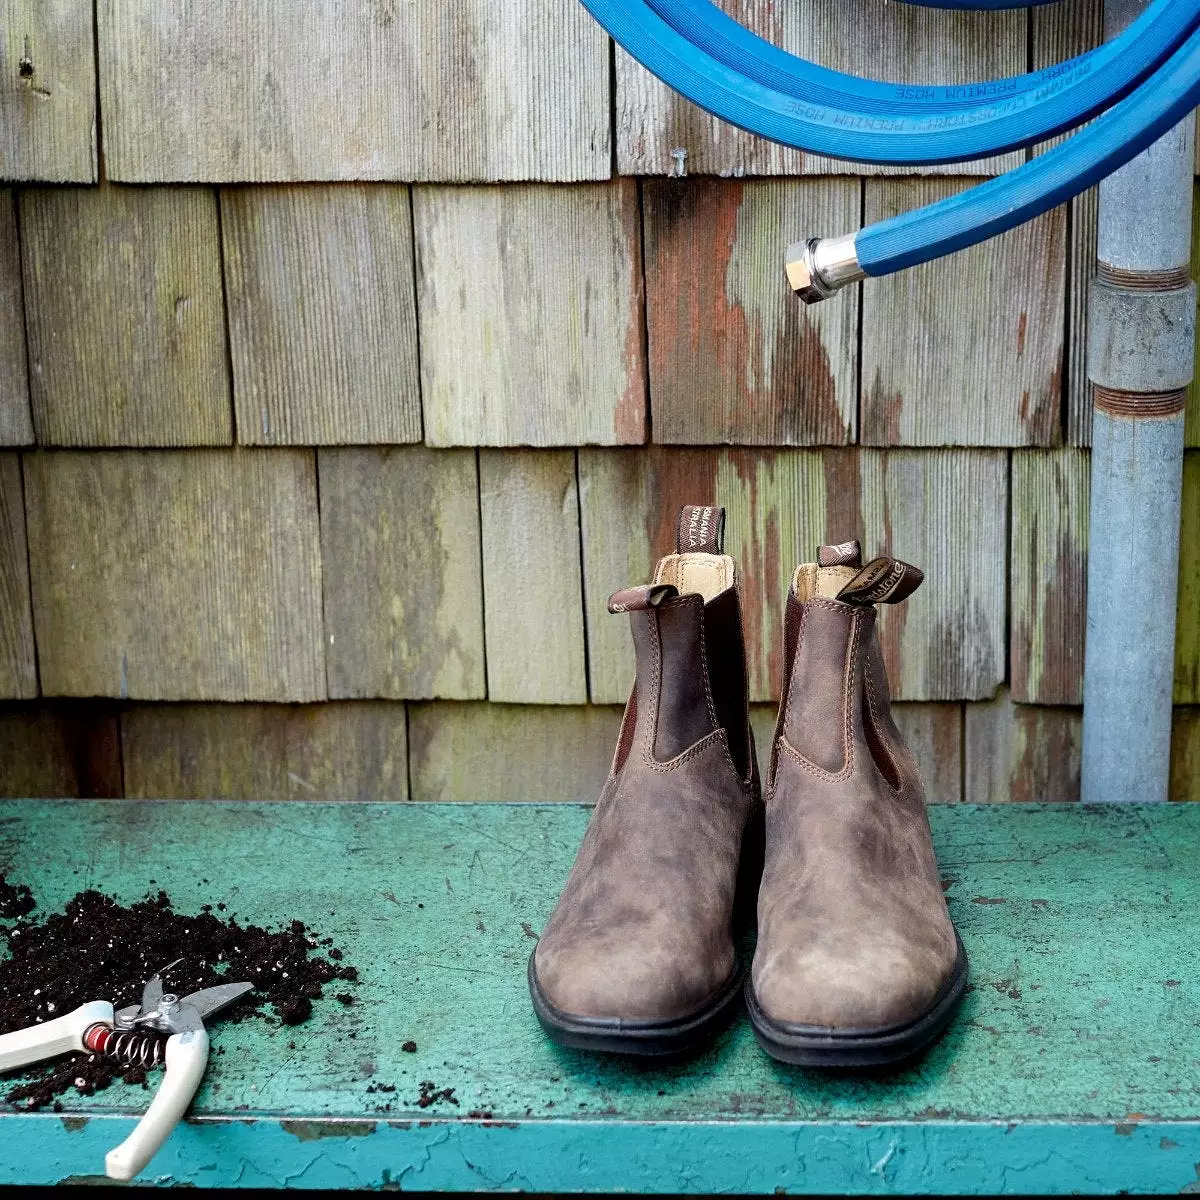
(857, 961)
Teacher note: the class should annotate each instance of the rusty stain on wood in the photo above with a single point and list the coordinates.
(465, 92)
(897, 42)
(125, 316)
(16, 423)
(530, 304)
(946, 361)
(18, 665)
(334, 751)
(401, 569)
(1021, 752)
(1050, 490)
(510, 752)
(733, 356)
(532, 587)
(48, 91)
(322, 317)
(176, 575)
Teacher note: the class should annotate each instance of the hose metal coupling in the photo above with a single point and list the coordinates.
(821, 266)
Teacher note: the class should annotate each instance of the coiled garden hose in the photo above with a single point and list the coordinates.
(1132, 90)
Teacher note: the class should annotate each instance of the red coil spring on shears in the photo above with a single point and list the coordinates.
(128, 1048)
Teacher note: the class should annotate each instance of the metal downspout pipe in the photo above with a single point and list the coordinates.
(1141, 349)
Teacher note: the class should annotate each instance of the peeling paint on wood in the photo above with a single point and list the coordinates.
(1050, 491)
(252, 751)
(60, 748)
(530, 303)
(733, 356)
(245, 91)
(18, 664)
(176, 575)
(505, 752)
(1021, 752)
(125, 316)
(1066, 1070)
(532, 587)
(967, 350)
(16, 423)
(401, 569)
(47, 91)
(1187, 629)
(661, 133)
(322, 317)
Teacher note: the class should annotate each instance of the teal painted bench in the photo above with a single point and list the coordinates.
(1073, 1066)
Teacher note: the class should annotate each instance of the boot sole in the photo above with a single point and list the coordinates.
(821, 1046)
(648, 1039)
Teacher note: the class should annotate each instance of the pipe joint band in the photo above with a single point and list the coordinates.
(1139, 404)
(1141, 341)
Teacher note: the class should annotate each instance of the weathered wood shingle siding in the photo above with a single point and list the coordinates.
(238, 91)
(481, 303)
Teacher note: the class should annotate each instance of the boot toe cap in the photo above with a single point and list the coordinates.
(875, 989)
(626, 982)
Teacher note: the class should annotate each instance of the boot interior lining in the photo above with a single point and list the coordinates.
(707, 575)
(811, 580)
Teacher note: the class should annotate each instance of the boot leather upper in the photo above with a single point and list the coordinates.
(853, 930)
(642, 930)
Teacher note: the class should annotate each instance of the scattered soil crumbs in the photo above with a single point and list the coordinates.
(97, 949)
(16, 900)
(432, 1094)
(409, 1047)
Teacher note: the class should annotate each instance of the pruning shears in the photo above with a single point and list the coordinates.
(163, 1028)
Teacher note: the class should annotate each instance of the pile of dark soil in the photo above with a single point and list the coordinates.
(97, 949)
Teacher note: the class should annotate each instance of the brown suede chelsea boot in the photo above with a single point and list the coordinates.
(858, 963)
(638, 956)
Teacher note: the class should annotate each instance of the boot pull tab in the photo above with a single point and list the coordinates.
(638, 599)
(882, 581)
(700, 530)
(844, 554)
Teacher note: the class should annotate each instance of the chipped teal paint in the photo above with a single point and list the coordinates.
(1074, 1065)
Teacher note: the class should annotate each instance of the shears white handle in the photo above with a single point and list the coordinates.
(52, 1038)
(186, 1057)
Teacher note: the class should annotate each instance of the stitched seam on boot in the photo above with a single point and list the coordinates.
(875, 724)
(847, 707)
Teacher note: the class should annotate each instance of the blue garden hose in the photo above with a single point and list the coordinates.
(1133, 89)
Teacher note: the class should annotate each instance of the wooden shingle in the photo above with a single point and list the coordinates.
(60, 749)
(1084, 212)
(945, 511)
(18, 666)
(176, 575)
(734, 356)
(530, 306)
(660, 133)
(1050, 490)
(510, 751)
(47, 91)
(533, 602)
(265, 751)
(125, 317)
(966, 350)
(1185, 755)
(256, 92)
(1187, 629)
(16, 423)
(1021, 752)
(322, 317)
(401, 570)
